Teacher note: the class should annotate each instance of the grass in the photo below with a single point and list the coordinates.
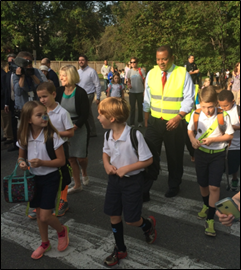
(100, 76)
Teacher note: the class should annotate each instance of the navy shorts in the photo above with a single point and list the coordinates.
(233, 161)
(46, 190)
(124, 194)
(209, 168)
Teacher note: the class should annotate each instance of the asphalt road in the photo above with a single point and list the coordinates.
(181, 242)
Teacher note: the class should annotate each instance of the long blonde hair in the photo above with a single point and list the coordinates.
(25, 126)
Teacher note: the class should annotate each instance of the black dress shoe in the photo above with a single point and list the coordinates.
(3, 139)
(172, 192)
(14, 148)
(8, 142)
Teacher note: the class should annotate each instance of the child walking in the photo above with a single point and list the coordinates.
(125, 170)
(227, 103)
(34, 129)
(116, 88)
(210, 144)
(61, 120)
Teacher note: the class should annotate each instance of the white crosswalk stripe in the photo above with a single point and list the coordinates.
(90, 244)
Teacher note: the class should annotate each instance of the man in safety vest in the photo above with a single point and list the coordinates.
(169, 96)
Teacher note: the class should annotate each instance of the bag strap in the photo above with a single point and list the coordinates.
(139, 69)
(50, 147)
(195, 119)
(107, 135)
(134, 140)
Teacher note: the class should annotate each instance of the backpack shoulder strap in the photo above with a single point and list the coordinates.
(220, 116)
(107, 135)
(134, 140)
(195, 118)
(139, 69)
(50, 148)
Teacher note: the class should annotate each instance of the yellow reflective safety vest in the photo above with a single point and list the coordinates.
(168, 104)
(188, 116)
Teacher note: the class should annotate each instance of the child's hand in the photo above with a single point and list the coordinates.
(75, 127)
(224, 219)
(129, 85)
(195, 143)
(121, 172)
(35, 163)
(23, 166)
(110, 169)
(207, 141)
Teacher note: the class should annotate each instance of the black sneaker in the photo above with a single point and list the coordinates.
(115, 256)
(151, 234)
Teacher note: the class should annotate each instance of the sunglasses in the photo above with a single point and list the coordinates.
(133, 62)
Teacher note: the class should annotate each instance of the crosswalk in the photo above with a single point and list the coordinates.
(89, 244)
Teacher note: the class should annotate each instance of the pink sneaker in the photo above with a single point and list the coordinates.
(39, 252)
(63, 242)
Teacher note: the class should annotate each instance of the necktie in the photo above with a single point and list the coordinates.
(164, 79)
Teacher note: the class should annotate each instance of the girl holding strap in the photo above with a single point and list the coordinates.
(33, 131)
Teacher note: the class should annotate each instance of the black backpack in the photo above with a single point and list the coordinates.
(66, 170)
(152, 171)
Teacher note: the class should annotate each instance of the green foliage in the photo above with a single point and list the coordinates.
(114, 30)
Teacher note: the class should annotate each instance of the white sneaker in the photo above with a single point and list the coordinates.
(85, 180)
(74, 190)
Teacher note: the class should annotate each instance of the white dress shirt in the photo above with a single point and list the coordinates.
(90, 81)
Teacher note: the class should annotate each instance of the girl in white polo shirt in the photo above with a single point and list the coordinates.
(209, 144)
(125, 170)
(32, 135)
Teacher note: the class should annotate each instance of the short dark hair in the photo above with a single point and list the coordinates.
(226, 95)
(49, 86)
(190, 56)
(165, 48)
(134, 59)
(84, 56)
(11, 55)
(25, 54)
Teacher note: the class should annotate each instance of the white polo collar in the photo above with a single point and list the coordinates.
(40, 137)
(55, 110)
(124, 134)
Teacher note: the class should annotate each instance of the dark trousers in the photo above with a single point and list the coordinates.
(133, 98)
(174, 142)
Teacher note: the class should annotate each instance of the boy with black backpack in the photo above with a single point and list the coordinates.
(227, 103)
(126, 175)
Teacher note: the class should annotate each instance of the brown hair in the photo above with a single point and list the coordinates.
(208, 94)
(115, 107)
(25, 126)
(134, 59)
(118, 75)
(49, 86)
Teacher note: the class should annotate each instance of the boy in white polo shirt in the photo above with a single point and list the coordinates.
(210, 143)
(61, 120)
(227, 103)
(125, 170)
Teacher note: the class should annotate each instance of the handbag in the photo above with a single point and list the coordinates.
(19, 188)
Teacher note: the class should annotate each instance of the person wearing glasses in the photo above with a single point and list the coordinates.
(169, 96)
(136, 81)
